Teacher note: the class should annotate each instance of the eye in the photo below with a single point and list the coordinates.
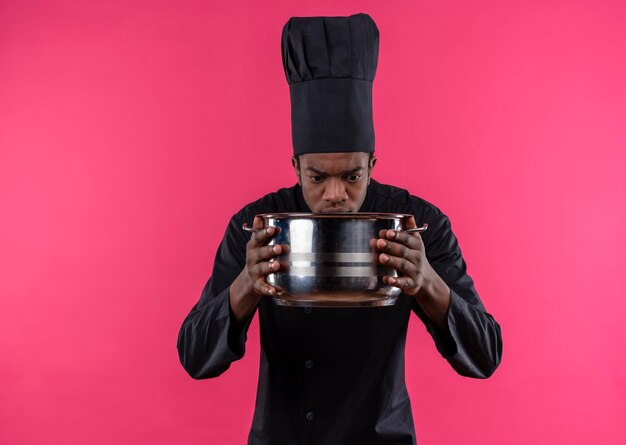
(353, 178)
(316, 179)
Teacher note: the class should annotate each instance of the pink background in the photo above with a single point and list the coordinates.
(130, 132)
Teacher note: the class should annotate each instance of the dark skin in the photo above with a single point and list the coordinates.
(337, 182)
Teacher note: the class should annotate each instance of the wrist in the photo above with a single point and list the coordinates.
(433, 288)
(434, 297)
(242, 298)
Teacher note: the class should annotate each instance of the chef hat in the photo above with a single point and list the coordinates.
(330, 64)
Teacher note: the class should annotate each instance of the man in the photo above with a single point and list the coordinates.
(331, 375)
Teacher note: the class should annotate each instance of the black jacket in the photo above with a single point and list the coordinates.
(336, 375)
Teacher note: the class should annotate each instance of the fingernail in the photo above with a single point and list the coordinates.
(382, 244)
(391, 280)
(384, 258)
(392, 235)
(269, 230)
(276, 249)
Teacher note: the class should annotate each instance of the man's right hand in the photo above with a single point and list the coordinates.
(250, 285)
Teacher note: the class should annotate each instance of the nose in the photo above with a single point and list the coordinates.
(335, 191)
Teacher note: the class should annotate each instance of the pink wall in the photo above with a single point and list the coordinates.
(131, 131)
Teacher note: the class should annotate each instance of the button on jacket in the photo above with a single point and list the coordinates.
(336, 375)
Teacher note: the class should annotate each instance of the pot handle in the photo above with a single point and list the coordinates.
(252, 229)
(417, 229)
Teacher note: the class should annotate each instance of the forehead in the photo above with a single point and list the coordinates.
(334, 162)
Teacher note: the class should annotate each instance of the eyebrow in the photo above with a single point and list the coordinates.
(347, 172)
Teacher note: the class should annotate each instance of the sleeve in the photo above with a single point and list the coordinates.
(210, 339)
(473, 345)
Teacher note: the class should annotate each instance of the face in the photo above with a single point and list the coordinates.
(334, 182)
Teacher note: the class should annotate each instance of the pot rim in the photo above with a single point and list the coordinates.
(343, 215)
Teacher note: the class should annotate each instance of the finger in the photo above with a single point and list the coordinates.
(262, 236)
(411, 240)
(410, 223)
(401, 265)
(258, 223)
(266, 252)
(263, 288)
(398, 236)
(266, 267)
(257, 255)
(406, 284)
(397, 249)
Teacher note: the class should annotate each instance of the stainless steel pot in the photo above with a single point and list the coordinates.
(330, 262)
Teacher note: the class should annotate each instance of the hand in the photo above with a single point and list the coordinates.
(405, 253)
(260, 259)
(250, 285)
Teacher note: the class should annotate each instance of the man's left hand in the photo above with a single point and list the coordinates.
(405, 253)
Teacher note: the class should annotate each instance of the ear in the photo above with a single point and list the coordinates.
(370, 167)
(296, 168)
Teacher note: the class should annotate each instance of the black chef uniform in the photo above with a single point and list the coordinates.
(335, 376)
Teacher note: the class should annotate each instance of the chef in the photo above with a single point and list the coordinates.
(336, 375)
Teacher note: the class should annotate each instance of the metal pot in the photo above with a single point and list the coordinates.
(330, 262)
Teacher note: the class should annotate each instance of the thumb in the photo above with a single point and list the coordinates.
(410, 223)
(258, 222)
